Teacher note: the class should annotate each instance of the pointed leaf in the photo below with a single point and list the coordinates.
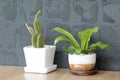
(40, 41)
(100, 45)
(72, 49)
(34, 41)
(68, 35)
(60, 38)
(30, 29)
(37, 23)
(66, 50)
(85, 37)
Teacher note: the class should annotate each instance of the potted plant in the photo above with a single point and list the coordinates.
(39, 57)
(81, 54)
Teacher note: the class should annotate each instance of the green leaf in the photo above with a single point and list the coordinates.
(68, 35)
(66, 50)
(31, 30)
(40, 41)
(60, 38)
(37, 23)
(85, 37)
(72, 49)
(34, 41)
(38, 14)
(100, 45)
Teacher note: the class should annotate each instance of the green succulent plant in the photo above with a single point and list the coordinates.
(83, 46)
(36, 32)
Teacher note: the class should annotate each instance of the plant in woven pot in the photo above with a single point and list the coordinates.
(81, 54)
(39, 57)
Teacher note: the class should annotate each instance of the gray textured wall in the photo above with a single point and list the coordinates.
(73, 15)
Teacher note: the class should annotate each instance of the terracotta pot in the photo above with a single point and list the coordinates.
(82, 62)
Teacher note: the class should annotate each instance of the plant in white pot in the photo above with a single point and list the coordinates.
(39, 57)
(81, 54)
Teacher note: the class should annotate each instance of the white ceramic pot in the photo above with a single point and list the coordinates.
(82, 62)
(39, 60)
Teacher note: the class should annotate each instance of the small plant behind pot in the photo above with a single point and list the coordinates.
(80, 54)
(39, 57)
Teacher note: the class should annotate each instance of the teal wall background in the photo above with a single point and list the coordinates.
(73, 15)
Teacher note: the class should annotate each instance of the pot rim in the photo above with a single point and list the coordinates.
(46, 46)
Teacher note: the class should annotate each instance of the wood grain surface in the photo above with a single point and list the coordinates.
(17, 73)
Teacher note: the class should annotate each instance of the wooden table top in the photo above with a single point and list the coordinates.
(17, 73)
